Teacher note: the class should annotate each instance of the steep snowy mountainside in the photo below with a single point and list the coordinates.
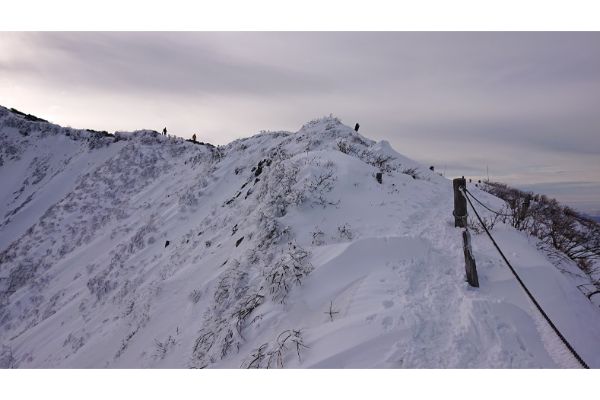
(278, 250)
(34, 155)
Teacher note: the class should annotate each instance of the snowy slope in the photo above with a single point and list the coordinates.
(284, 251)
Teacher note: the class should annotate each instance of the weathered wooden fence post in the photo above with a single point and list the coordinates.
(460, 203)
(470, 266)
(525, 208)
(460, 220)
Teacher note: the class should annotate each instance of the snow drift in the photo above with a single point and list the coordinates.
(279, 250)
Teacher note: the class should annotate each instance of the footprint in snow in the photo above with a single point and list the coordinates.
(387, 322)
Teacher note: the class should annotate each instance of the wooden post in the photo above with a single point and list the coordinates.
(525, 207)
(460, 203)
(470, 266)
(460, 220)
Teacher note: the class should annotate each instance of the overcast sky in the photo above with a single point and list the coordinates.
(526, 105)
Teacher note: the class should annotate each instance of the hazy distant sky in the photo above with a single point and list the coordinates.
(525, 104)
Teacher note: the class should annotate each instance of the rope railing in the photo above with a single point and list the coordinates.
(486, 207)
(464, 191)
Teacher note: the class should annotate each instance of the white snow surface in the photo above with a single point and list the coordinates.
(333, 270)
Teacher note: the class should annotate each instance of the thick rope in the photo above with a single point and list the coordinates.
(560, 335)
(486, 207)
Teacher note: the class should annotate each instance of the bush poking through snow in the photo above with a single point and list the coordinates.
(231, 287)
(270, 232)
(345, 232)
(202, 347)
(244, 308)
(256, 358)
(7, 360)
(381, 161)
(272, 355)
(125, 342)
(163, 347)
(318, 237)
(100, 285)
(195, 296)
(331, 311)
(291, 269)
(489, 222)
(345, 147)
(319, 185)
(282, 188)
(411, 172)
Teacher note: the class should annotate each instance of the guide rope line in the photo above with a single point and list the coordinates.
(486, 207)
(560, 335)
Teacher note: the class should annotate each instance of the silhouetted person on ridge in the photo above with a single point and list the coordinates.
(165, 131)
(194, 138)
(356, 127)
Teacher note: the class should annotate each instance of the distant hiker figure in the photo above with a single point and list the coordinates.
(165, 131)
(194, 138)
(356, 127)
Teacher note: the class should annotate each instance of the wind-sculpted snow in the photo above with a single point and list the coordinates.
(274, 251)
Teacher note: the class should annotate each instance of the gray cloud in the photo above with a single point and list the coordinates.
(151, 63)
(522, 104)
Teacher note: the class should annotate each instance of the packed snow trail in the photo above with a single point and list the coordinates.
(266, 235)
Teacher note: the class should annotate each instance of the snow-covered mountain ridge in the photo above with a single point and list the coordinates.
(278, 250)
